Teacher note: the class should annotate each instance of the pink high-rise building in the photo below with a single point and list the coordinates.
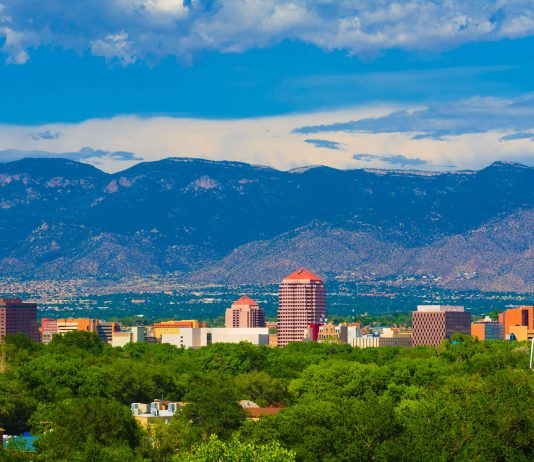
(434, 323)
(245, 313)
(302, 301)
(16, 317)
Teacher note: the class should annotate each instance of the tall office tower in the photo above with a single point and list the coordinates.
(519, 322)
(302, 301)
(244, 312)
(434, 323)
(16, 317)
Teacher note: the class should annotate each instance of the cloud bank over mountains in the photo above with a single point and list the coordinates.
(127, 31)
(84, 154)
(464, 134)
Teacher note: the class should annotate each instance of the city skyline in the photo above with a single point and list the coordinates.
(266, 230)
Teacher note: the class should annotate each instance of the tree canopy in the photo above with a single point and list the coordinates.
(465, 401)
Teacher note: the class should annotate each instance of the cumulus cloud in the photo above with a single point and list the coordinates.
(327, 144)
(397, 159)
(114, 47)
(131, 30)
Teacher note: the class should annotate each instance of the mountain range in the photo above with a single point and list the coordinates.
(231, 222)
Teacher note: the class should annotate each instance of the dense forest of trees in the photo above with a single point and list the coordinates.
(465, 401)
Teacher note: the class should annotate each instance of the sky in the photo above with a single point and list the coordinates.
(409, 84)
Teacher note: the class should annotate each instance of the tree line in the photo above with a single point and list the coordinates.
(465, 401)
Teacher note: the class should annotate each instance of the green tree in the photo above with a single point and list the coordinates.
(216, 450)
(213, 407)
(71, 428)
(162, 441)
(87, 341)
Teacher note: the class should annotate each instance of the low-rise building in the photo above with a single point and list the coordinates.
(366, 341)
(332, 333)
(104, 329)
(326, 333)
(199, 337)
(487, 329)
(519, 322)
(393, 336)
(156, 411)
(131, 335)
(173, 327)
(48, 329)
(354, 331)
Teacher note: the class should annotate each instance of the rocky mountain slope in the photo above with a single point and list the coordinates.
(234, 222)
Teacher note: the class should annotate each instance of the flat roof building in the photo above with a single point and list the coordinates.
(104, 329)
(174, 326)
(432, 324)
(133, 334)
(518, 321)
(204, 336)
(17, 317)
(48, 329)
(487, 329)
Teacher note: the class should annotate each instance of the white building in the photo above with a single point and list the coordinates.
(132, 335)
(367, 341)
(198, 337)
(353, 332)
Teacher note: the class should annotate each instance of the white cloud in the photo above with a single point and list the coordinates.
(159, 28)
(271, 140)
(114, 47)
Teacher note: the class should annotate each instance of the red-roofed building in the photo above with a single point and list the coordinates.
(302, 301)
(302, 274)
(245, 313)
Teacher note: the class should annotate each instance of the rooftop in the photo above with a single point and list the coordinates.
(302, 274)
(245, 300)
(439, 308)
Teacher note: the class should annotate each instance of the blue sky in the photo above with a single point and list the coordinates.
(416, 83)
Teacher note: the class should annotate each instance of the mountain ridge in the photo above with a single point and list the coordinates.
(60, 217)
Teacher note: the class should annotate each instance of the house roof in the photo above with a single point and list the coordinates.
(302, 274)
(257, 412)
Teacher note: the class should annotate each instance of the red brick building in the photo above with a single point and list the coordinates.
(434, 323)
(302, 301)
(16, 317)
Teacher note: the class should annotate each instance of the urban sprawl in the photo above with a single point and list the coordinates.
(302, 316)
